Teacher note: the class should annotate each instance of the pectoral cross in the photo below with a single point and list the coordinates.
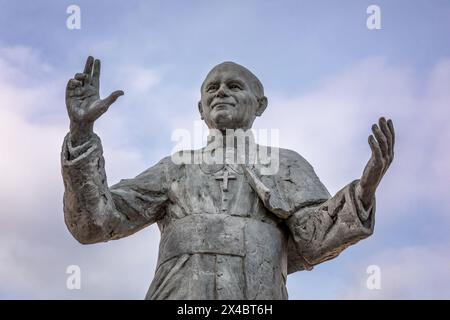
(225, 178)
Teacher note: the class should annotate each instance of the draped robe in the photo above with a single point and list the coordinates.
(234, 242)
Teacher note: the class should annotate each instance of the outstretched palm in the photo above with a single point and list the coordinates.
(382, 144)
(82, 96)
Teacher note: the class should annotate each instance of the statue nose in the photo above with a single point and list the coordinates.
(221, 93)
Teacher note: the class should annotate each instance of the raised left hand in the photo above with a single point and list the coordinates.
(382, 145)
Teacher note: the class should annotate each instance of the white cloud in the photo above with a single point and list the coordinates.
(19, 62)
(417, 272)
(138, 79)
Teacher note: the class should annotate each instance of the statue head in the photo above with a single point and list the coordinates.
(231, 97)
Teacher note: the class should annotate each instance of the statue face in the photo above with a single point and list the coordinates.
(228, 98)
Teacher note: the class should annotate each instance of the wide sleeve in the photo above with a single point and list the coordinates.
(321, 232)
(94, 212)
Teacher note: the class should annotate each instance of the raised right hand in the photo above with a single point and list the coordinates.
(83, 102)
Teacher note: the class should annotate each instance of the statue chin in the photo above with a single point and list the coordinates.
(223, 120)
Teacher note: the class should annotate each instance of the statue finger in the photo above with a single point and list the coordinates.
(113, 97)
(387, 133)
(378, 163)
(391, 129)
(382, 142)
(81, 77)
(95, 81)
(376, 151)
(103, 105)
(73, 83)
(88, 67)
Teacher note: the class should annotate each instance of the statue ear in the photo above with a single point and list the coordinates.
(200, 109)
(262, 106)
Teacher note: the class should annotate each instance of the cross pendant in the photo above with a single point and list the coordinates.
(224, 177)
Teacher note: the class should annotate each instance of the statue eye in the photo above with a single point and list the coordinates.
(211, 88)
(235, 86)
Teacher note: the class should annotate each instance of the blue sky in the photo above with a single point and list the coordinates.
(327, 77)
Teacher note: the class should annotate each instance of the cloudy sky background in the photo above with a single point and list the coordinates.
(327, 77)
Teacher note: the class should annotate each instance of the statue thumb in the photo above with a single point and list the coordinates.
(113, 97)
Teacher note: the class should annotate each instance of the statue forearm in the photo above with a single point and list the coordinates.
(95, 212)
(89, 210)
(81, 133)
(321, 232)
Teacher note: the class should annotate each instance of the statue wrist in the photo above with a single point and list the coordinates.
(363, 195)
(80, 133)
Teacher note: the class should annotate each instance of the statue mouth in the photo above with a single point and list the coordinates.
(221, 105)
